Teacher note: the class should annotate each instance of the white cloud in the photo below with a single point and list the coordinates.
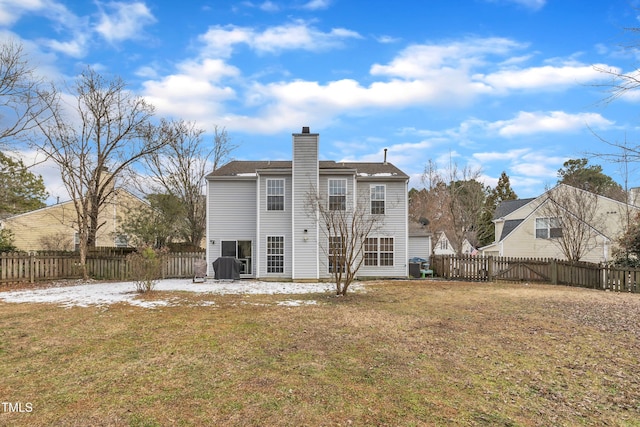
(220, 40)
(545, 77)
(526, 123)
(269, 6)
(420, 61)
(12, 10)
(194, 92)
(317, 4)
(495, 156)
(126, 21)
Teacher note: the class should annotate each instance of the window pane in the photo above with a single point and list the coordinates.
(275, 254)
(386, 251)
(229, 248)
(337, 194)
(542, 233)
(371, 251)
(377, 207)
(275, 194)
(335, 253)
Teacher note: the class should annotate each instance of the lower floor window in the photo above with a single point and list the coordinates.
(378, 251)
(275, 254)
(336, 254)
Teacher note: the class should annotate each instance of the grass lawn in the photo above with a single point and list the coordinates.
(401, 353)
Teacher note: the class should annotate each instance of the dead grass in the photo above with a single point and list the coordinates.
(403, 353)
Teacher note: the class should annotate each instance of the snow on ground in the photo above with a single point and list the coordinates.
(100, 294)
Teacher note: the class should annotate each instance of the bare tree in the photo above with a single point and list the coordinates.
(179, 168)
(23, 100)
(346, 228)
(93, 142)
(571, 219)
(452, 202)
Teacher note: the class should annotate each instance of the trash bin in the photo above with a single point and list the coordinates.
(414, 269)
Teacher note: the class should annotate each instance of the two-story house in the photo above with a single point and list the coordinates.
(259, 212)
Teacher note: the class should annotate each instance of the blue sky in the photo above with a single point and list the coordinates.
(505, 85)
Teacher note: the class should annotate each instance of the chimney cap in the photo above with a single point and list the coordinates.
(305, 129)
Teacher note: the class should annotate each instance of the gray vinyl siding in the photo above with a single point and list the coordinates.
(275, 223)
(304, 182)
(324, 238)
(394, 225)
(232, 215)
(419, 246)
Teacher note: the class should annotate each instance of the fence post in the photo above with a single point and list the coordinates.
(490, 268)
(32, 267)
(554, 271)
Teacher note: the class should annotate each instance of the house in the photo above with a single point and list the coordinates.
(55, 227)
(538, 227)
(419, 241)
(258, 212)
(443, 246)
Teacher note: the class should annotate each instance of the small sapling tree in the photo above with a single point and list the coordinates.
(146, 267)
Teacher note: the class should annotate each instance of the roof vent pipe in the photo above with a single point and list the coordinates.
(305, 129)
(385, 156)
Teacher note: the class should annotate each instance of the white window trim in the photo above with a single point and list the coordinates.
(346, 191)
(284, 192)
(281, 255)
(379, 251)
(548, 228)
(384, 199)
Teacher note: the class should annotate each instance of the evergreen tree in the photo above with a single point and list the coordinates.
(577, 173)
(20, 190)
(501, 192)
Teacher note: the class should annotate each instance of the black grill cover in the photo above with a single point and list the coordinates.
(227, 267)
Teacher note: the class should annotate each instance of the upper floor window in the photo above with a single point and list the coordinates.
(548, 228)
(275, 194)
(378, 199)
(337, 194)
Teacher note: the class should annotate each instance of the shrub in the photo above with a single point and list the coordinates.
(146, 267)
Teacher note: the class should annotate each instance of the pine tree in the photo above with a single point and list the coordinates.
(20, 190)
(501, 192)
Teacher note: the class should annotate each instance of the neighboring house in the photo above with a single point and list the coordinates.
(55, 227)
(258, 212)
(443, 245)
(525, 227)
(419, 241)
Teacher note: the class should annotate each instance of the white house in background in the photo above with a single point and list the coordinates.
(257, 211)
(443, 245)
(523, 227)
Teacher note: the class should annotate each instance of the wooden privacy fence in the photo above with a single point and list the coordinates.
(34, 267)
(545, 270)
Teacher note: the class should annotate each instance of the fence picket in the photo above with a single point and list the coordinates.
(34, 267)
(554, 271)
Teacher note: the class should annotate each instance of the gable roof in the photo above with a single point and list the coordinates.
(509, 226)
(241, 167)
(507, 206)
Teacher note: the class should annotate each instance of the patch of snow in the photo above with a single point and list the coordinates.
(100, 294)
(296, 303)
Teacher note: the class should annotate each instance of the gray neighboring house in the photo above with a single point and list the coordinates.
(257, 212)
